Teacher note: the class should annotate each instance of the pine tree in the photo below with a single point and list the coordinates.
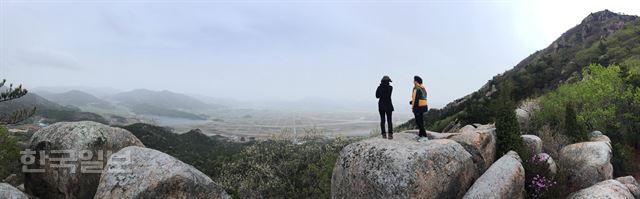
(572, 128)
(9, 152)
(12, 93)
(507, 129)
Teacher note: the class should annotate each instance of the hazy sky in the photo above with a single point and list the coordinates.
(280, 50)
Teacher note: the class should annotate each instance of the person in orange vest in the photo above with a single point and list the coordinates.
(419, 104)
(385, 106)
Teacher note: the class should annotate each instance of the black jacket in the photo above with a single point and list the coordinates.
(383, 93)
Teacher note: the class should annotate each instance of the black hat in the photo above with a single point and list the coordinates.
(386, 79)
(417, 79)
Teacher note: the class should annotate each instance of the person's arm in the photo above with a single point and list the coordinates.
(378, 92)
(413, 93)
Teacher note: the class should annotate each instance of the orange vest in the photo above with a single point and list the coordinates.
(423, 100)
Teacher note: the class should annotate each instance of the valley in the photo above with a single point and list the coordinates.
(254, 103)
(183, 113)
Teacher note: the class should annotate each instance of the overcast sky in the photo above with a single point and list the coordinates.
(280, 50)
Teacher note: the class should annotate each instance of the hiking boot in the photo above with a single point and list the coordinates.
(384, 136)
(390, 136)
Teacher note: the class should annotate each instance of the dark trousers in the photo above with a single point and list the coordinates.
(419, 117)
(382, 114)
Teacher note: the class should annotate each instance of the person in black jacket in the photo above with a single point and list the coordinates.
(385, 107)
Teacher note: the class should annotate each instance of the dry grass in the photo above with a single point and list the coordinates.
(552, 141)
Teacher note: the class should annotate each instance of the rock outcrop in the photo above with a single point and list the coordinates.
(598, 136)
(504, 179)
(12, 179)
(532, 143)
(620, 188)
(586, 163)
(432, 135)
(403, 168)
(74, 155)
(631, 184)
(21, 187)
(9, 192)
(522, 116)
(479, 142)
(467, 128)
(136, 172)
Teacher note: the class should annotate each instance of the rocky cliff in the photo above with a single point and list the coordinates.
(443, 167)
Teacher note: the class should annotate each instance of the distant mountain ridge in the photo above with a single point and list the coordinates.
(49, 111)
(161, 99)
(77, 98)
(545, 69)
(139, 101)
(164, 103)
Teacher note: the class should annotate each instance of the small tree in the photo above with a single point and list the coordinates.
(9, 152)
(12, 93)
(572, 128)
(507, 129)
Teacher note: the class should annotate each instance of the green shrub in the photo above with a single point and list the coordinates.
(606, 99)
(282, 169)
(507, 130)
(9, 152)
(593, 99)
(623, 160)
(572, 129)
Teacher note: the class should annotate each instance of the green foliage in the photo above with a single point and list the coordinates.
(572, 129)
(282, 169)
(623, 159)
(207, 154)
(605, 99)
(592, 97)
(278, 168)
(12, 93)
(9, 152)
(507, 130)
(545, 70)
(477, 113)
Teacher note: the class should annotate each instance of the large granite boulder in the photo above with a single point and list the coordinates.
(9, 192)
(479, 142)
(73, 154)
(504, 179)
(136, 172)
(631, 184)
(621, 188)
(432, 135)
(532, 143)
(403, 168)
(586, 163)
(467, 128)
